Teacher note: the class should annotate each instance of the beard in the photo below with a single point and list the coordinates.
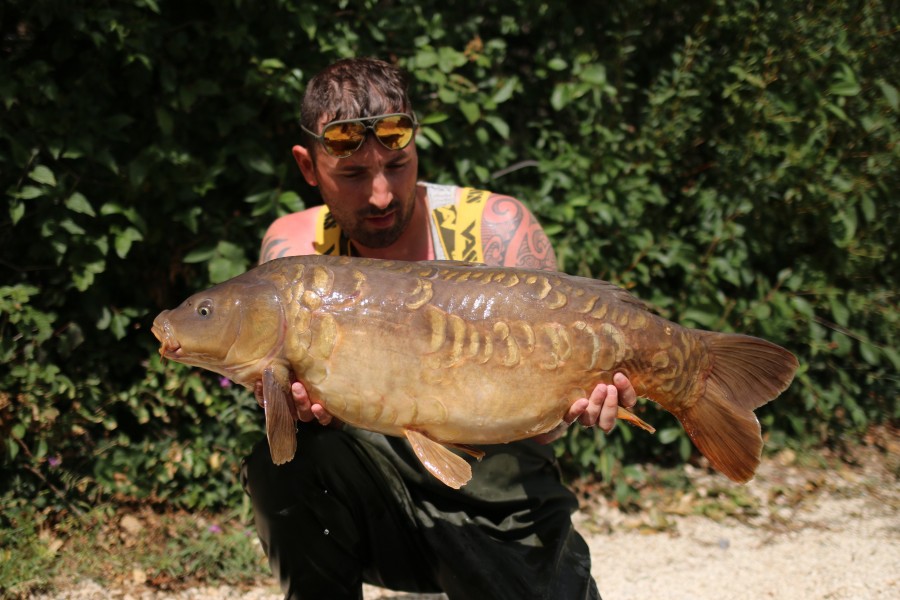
(356, 227)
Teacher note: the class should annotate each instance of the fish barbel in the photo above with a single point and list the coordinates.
(456, 354)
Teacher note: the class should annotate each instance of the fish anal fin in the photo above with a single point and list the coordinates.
(450, 468)
(746, 372)
(281, 429)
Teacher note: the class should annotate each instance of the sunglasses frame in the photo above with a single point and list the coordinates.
(369, 124)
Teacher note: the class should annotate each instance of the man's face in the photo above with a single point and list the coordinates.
(371, 193)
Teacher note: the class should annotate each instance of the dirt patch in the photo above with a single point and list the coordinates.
(795, 532)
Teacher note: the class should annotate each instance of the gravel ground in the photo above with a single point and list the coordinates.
(814, 535)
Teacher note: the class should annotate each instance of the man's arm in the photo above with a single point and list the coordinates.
(512, 237)
(290, 235)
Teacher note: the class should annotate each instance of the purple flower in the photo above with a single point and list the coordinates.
(224, 382)
(214, 529)
(54, 461)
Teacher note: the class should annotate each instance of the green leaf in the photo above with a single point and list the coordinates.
(869, 353)
(125, 239)
(498, 124)
(890, 94)
(426, 58)
(164, 121)
(802, 306)
(16, 211)
(79, 204)
(594, 74)
(261, 164)
(471, 111)
(432, 135)
(668, 435)
(29, 192)
(83, 278)
(839, 311)
(561, 96)
(199, 255)
(434, 118)
(42, 174)
(151, 4)
(448, 95)
(450, 58)
(271, 64)
(845, 83)
(291, 201)
(557, 64)
(700, 317)
(506, 90)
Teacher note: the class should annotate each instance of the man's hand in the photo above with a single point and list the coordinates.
(598, 410)
(306, 410)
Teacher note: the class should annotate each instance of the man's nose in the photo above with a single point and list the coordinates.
(381, 191)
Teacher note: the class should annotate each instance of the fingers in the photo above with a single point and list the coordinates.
(608, 409)
(321, 415)
(306, 410)
(601, 408)
(576, 410)
(594, 409)
(258, 394)
(627, 395)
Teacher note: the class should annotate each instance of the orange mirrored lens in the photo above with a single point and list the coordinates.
(342, 139)
(394, 132)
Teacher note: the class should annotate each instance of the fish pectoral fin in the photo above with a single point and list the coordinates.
(450, 468)
(629, 417)
(281, 430)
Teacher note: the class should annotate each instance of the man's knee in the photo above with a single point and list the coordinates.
(325, 457)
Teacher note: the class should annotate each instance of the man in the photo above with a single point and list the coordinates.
(355, 506)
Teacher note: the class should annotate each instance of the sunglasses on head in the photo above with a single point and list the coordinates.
(343, 138)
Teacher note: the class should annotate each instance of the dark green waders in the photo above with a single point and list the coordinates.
(354, 507)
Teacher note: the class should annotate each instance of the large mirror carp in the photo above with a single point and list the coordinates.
(456, 354)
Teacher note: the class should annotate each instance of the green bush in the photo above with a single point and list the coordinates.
(732, 163)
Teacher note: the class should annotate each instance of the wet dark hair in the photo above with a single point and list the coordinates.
(353, 88)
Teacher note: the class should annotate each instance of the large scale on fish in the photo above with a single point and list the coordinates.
(453, 355)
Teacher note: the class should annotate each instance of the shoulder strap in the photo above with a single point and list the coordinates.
(329, 237)
(456, 222)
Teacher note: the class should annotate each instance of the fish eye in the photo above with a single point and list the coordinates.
(204, 309)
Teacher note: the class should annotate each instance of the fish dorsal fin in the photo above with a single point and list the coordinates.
(450, 468)
(280, 427)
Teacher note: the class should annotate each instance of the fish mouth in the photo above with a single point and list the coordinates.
(169, 346)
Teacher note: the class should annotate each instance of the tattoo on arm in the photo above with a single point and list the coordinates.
(512, 237)
(273, 248)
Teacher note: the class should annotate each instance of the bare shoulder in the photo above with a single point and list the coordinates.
(290, 235)
(512, 237)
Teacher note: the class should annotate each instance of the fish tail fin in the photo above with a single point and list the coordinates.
(746, 372)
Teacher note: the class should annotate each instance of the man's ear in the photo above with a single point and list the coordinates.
(305, 162)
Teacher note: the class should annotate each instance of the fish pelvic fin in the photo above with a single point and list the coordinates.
(281, 430)
(746, 372)
(438, 460)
